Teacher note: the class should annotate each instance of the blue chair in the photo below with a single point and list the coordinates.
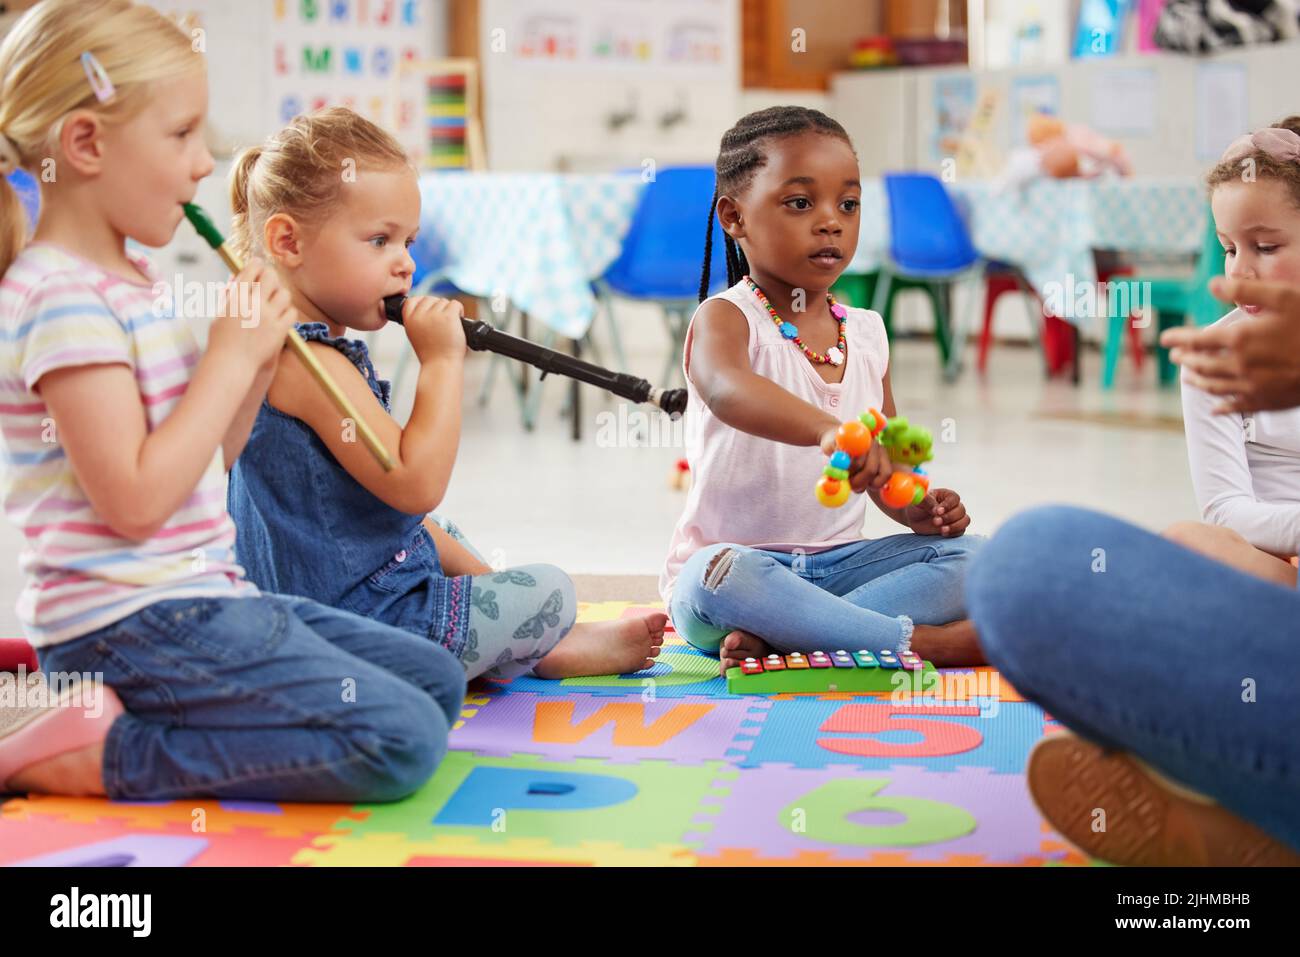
(929, 245)
(29, 192)
(662, 255)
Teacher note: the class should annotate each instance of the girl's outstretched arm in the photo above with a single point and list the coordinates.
(717, 362)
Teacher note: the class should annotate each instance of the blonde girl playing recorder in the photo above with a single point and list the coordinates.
(332, 200)
(116, 431)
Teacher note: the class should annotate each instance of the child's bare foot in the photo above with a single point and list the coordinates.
(738, 646)
(616, 647)
(73, 774)
(58, 748)
(948, 646)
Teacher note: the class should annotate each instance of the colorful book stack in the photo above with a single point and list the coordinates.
(445, 114)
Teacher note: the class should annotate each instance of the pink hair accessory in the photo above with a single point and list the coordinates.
(1277, 142)
(98, 77)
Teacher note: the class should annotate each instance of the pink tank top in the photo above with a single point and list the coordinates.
(751, 491)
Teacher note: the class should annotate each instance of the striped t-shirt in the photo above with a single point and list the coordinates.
(58, 310)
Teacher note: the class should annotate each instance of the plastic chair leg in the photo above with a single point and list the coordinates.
(1136, 345)
(676, 321)
(496, 361)
(1114, 337)
(882, 300)
(606, 304)
(1167, 372)
(942, 320)
(960, 328)
(992, 289)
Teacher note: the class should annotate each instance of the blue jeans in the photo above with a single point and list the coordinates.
(267, 698)
(1142, 645)
(863, 594)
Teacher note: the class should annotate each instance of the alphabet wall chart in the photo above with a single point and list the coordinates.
(294, 56)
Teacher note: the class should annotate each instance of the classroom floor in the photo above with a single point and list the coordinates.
(673, 770)
(660, 768)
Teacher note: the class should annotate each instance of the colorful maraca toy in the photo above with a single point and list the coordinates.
(907, 444)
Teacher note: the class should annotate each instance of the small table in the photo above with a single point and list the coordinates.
(1049, 228)
(531, 243)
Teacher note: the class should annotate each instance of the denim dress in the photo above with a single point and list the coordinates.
(304, 526)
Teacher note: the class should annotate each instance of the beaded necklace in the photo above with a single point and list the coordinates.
(834, 355)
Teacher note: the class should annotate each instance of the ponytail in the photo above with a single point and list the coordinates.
(241, 229)
(13, 224)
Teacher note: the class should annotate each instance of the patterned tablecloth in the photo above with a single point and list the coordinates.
(1051, 227)
(537, 238)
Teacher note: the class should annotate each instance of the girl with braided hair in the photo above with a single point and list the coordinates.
(773, 366)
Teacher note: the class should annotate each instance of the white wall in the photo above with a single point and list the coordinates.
(556, 115)
(891, 118)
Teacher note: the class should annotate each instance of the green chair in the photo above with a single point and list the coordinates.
(1172, 301)
(860, 290)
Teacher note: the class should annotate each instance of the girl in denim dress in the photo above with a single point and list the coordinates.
(334, 203)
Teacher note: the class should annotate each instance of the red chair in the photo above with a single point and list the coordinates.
(1000, 279)
(1056, 334)
(15, 652)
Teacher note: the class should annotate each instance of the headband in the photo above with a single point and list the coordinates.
(1273, 141)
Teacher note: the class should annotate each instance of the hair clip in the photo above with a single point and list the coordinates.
(98, 77)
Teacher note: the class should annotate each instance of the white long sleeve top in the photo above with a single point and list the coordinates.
(1245, 468)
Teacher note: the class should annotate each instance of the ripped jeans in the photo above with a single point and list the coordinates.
(865, 594)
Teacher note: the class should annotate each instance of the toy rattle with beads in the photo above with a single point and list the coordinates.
(907, 444)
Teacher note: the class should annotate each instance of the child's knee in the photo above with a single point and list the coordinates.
(412, 730)
(722, 563)
(964, 547)
(561, 596)
(446, 683)
(1202, 537)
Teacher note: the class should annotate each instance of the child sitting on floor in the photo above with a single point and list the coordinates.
(115, 427)
(773, 367)
(333, 202)
(1246, 469)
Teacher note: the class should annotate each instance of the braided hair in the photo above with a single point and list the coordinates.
(741, 155)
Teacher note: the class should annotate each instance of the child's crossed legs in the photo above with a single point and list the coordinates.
(893, 592)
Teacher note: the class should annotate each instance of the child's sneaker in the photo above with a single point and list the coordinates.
(79, 717)
(1148, 821)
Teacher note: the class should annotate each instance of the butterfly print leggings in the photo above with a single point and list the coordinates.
(517, 615)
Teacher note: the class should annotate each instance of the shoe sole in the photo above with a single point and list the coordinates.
(1145, 823)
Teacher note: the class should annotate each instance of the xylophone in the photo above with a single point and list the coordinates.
(824, 671)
